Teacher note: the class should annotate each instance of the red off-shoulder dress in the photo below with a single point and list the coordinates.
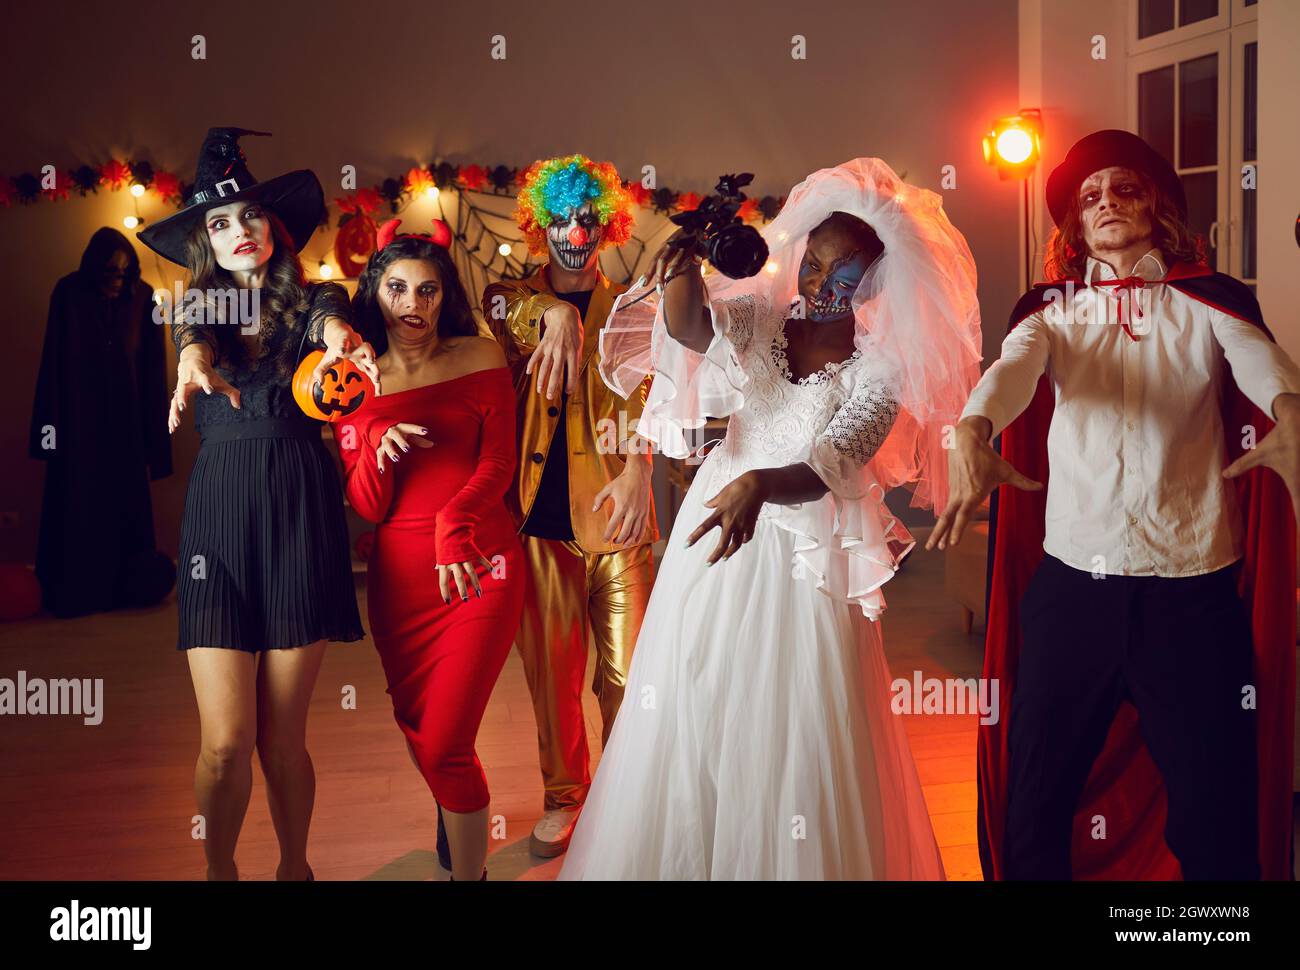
(436, 506)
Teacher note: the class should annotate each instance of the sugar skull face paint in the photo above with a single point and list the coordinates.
(573, 239)
(829, 275)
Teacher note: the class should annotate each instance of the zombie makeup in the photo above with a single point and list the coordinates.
(1114, 209)
(410, 296)
(240, 234)
(827, 281)
(574, 237)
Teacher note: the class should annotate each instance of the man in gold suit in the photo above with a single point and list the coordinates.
(582, 496)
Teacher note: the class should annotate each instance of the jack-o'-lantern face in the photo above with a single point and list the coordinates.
(343, 390)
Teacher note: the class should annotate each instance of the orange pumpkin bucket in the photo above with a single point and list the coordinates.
(344, 389)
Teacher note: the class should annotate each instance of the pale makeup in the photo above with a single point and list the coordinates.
(240, 235)
(410, 296)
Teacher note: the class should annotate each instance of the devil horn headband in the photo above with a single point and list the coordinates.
(441, 235)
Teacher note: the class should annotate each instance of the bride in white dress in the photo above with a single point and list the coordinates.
(756, 739)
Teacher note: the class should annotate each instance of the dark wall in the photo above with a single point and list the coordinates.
(694, 89)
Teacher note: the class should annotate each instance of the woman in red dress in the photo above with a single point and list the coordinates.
(445, 582)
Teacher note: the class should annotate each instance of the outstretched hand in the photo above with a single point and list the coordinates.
(974, 470)
(736, 510)
(195, 373)
(1278, 450)
(555, 358)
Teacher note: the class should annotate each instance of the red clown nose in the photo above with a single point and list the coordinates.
(577, 236)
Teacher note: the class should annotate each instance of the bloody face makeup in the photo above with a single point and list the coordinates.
(829, 274)
(573, 238)
(1114, 210)
(240, 234)
(410, 295)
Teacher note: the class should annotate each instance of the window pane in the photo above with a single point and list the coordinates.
(1156, 110)
(1249, 102)
(1203, 207)
(1249, 223)
(1155, 16)
(1190, 11)
(1198, 123)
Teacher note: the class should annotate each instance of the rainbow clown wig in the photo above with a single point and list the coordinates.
(553, 187)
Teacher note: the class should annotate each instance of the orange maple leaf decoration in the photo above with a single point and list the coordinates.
(473, 177)
(688, 201)
(418, 180)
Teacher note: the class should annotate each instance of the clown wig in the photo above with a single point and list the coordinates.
(553, 187)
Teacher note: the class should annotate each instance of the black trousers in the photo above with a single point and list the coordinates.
(1180, 651)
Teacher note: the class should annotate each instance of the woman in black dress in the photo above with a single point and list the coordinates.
(264, 576)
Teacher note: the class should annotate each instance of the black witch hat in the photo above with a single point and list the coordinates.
(223, 177)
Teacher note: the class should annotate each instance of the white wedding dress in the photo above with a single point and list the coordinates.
(756, 740)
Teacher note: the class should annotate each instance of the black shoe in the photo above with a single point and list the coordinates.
(444, 848)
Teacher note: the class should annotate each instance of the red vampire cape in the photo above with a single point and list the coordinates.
(1124, 785)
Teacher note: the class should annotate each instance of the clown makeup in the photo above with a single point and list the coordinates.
(829, 274)
(574, 238)
(1114, 210)
(410, 295)
(240, 234)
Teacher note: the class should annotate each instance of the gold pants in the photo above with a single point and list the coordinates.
(569, 592)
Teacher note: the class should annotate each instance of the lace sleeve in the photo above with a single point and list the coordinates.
(862, 423)
(325, 300)
(186, 330)
(853, 436)
(735, 318)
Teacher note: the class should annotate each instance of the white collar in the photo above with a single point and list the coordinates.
(1150, 267)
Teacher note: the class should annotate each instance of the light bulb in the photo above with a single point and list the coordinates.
(504, 249)
(131, 222)
(326, 270)
(137, 189)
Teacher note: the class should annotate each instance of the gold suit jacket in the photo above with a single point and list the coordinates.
(600, 423)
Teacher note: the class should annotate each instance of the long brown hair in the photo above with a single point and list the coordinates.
(1067, 254)
(283, 296)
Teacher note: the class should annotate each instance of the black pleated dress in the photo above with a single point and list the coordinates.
(264, 558)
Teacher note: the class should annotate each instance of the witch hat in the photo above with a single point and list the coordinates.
(223, 177)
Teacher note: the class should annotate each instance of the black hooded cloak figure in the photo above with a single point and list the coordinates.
(99, 422)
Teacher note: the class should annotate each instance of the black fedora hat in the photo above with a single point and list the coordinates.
(1102, 149)
(223, 177)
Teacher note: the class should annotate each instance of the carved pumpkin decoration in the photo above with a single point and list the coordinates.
(344, 389)
(354, 243)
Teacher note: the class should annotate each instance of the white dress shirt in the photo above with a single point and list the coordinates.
(1136, 445)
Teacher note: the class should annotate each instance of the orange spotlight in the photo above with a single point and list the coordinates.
(1014, 144)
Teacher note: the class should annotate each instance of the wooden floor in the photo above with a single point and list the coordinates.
(115, 801)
